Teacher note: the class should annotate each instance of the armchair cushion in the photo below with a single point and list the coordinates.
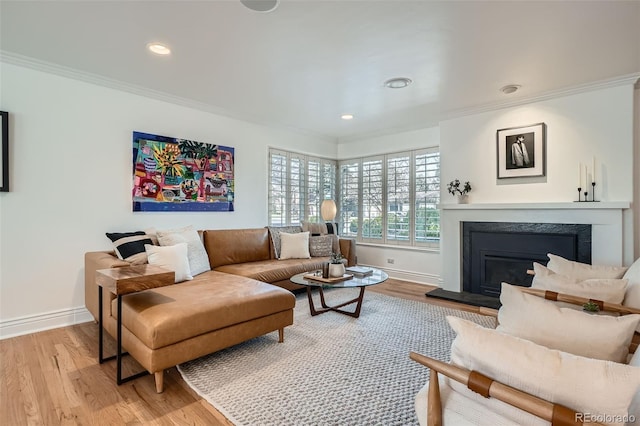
(583, 384)
(540, 321)
(632, 295)
(607, 290)
(583, 271)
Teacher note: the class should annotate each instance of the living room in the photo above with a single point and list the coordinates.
(72, 130)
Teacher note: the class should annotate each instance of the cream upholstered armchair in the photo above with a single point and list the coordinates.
(543, 364)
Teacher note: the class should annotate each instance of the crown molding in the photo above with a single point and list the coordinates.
(51, 68)
(98, 80)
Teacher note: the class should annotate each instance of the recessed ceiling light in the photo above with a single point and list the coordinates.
(347, 116)
(260, 5)
(397, 83)
(158, 49)
(510, 88)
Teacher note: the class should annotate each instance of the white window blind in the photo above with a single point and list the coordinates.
(349, 198)
(392, 199)
(297, 186)
(372, 199)
(427, 190)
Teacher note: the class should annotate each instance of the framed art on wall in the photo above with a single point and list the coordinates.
(522, 151)
(171, 174)
(4, 152)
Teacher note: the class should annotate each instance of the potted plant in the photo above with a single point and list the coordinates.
(336, 265)
(461, 193)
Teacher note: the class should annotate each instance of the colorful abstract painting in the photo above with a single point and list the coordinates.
(172, 174)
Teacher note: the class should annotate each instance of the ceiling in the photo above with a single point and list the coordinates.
(307, 62)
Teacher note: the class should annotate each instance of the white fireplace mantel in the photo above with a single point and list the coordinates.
(611, 226)
(617, 205)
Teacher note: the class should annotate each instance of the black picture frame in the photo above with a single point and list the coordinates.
(522, 151)
(4, 152)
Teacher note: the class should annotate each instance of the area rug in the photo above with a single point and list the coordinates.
(331, 369)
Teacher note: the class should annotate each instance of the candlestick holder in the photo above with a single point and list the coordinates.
(579, 192)
(593, 191)
(586, 194)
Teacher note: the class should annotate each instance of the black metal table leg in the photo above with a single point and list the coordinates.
(119, 354)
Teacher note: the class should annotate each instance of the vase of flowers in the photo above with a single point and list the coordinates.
(336, 266)
(460, 191)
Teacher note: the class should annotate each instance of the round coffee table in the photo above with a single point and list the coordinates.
(376, 277)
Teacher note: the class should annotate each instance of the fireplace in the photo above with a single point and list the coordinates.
(493, 252)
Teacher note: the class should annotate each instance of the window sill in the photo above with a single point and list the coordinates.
(401, 247)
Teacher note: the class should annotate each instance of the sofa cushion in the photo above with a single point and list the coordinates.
(213, 300)
(543, 322)
(583, 384)
(231, 246)
(274, 270)
(173, 258)
(606, 290)
(294, 246)
(198, 259)
(129, 246)
(583, 271)
(275, 231)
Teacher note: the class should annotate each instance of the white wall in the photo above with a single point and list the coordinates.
(71, 159)
(579, 126)
(422, 266)
(596, 123)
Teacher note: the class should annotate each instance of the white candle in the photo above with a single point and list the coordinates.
(586, 177)
(580, 173)
(593, 177)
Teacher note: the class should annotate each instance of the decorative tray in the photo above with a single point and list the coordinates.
(319, 278)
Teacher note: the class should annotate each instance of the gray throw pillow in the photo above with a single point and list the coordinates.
(321, 246)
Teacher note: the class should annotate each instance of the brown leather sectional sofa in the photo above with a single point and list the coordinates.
(242, 297)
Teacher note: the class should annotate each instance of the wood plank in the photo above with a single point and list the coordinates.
(53, 377)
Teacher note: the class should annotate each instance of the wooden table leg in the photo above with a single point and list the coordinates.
(327, 308)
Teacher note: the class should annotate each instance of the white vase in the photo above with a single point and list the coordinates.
(462, 198)
(336, 270)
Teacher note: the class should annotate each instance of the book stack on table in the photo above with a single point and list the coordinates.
(359, 271)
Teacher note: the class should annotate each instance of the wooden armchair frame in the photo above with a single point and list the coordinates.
(557, 414)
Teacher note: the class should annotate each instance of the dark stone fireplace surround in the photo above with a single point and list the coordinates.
(493, 252)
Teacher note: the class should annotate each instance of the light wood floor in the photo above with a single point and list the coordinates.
(53, 378)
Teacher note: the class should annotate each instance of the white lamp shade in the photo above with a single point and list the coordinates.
(328, 210)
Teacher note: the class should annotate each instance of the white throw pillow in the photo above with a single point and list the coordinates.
(198, 258)
(632, 296)
(294, 246)
(543, 322)
(583, 271)
(606, 290)
(583, 384)
(173, 258)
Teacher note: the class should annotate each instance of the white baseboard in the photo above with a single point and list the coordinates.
(40, 322)
(411, 276)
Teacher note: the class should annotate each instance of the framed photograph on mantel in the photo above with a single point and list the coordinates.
(522, 151)
(4, 152)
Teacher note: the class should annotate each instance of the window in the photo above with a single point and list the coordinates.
(297, 186)
(391, 199)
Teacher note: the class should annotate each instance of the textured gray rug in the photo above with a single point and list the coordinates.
(331, 369)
